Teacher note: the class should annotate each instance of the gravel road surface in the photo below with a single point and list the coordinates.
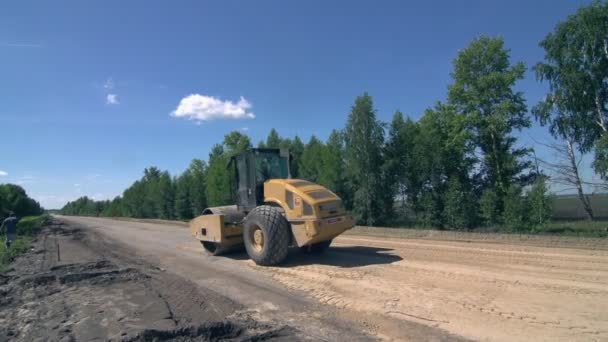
(368, 287)
(236, 280)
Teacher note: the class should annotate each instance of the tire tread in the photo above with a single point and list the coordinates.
(276, 235)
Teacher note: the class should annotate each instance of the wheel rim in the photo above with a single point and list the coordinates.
(257, 239)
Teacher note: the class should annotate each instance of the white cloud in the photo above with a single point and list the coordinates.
(109, 84)
(108, 88)
(244, 129)
(3, 173)
(112, 99)
(203, 108)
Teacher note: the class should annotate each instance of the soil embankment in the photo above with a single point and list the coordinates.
(70, 287)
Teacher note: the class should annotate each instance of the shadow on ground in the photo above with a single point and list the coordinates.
(347, 257)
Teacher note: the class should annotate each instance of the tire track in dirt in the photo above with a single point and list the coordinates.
(480, 286)
(475, 289)
(224, 283)
(90, 291)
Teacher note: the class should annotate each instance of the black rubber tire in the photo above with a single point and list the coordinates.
(316, 248)
(275, 230)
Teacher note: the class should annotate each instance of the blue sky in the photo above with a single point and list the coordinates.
(88, 88)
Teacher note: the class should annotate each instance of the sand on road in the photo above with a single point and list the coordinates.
(394, 287)
(483, 291)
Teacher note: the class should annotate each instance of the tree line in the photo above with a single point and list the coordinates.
(458, 166)
(13, 198)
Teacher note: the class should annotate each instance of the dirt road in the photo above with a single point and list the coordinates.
(402, 289)
(482, 291)
(71, 286)
(227, 291)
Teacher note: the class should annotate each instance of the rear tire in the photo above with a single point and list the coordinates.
(266, 234)
(316, 248)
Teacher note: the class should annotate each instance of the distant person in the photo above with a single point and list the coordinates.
(9, 227)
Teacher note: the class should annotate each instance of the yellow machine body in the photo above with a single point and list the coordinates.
(315, 214)
(213, 228)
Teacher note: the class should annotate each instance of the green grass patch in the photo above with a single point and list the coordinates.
(597, 228)
(19, 246)
(582, 228)
(27, 228)
(576, 228)
(31, 225)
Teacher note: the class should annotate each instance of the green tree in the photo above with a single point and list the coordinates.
(601, 157)
(285, 143)
(151, 192)
(311, 162)
(441, 149)
(197, 186)
(14, 198)
(331, 174)
(576, 67)
(514, 215)
(183, 203)
(396, 153)
(114, 208)
(165, 201)
(488, 205)
(296, 148)
(218, 178)
(364, 139)
(85, 206)
(236, 142)
(3, 204)
(400, 157)
(540, 201)
(273, 140)
(133, 197)
(458, 209)
(410, 177)
(483, 91)
(429, 213)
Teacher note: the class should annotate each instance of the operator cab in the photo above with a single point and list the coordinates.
(254, 167)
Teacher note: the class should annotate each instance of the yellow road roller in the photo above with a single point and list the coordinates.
(272, 211)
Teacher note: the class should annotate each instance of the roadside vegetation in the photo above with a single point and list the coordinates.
(27, 228)
(459, 166)
(13, 198)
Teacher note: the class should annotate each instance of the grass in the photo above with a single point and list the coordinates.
(580, 228)
(598, 228)
(27, 228)
(570, 227)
